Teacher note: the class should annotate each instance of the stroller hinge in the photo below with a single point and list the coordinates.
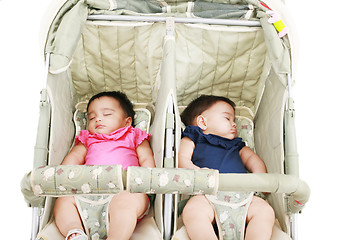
(42, 138)
(290, 107)
(43, 97)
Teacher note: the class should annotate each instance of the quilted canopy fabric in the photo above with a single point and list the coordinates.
(223, 60)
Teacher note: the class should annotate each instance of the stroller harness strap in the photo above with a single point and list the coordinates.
(231, 209)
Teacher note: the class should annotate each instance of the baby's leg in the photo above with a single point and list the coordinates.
(124, 210)
(66, 215)
(198, 217)
(260, 220)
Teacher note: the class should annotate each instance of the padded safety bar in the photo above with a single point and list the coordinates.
(79, 179)
(172, 180)
(298, 190)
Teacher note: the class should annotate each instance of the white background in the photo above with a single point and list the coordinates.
(318, 98)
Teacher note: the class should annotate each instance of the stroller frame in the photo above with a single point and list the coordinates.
(291, 158)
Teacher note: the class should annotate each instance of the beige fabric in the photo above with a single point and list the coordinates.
(126, 57)
(226, 61)
(164, 95)
(277, 234)
(269, 137)
(146, 229)
(62, 125)
(209, 60)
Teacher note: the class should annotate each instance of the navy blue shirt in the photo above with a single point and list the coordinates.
(215, 152)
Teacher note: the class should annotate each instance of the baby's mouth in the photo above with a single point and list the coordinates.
(99, 126)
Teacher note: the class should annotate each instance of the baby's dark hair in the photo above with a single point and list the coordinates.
(201, 104)
(123, 100)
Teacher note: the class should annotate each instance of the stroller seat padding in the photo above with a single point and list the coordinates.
(245, 129)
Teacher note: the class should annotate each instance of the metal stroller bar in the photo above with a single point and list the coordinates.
(168, 198)
(41, 146)
(229, 22)
(291, 153)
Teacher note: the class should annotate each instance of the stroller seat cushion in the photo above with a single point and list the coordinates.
(245, 129)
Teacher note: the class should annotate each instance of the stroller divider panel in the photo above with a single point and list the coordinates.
(169, 162)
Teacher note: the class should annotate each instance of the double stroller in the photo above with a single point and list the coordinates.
(164, 54)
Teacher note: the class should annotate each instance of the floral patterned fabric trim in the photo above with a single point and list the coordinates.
(77, 179)
(84, 180)
(169, 180)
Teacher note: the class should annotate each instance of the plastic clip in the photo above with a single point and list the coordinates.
(275, 19)
(170, 26)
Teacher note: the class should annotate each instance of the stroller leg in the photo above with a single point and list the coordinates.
(35, 222)
(293, 227)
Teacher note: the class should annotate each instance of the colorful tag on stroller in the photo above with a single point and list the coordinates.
(275, 19)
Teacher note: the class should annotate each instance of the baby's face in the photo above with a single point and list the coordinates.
(105, 115)
(220, 120)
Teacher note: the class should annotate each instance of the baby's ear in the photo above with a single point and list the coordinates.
(128, 121)
(202, 122)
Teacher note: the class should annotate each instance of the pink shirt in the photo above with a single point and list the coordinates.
(117, 148)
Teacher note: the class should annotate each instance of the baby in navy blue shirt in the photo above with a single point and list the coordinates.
(210, 141)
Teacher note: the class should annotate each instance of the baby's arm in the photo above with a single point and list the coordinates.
(76, 156)
(185, 154)
(252, 161)
(145, 155)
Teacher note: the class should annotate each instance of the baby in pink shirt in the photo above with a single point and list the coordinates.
(109, 140)
(117, 148)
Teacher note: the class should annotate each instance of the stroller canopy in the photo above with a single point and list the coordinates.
(222, 60)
